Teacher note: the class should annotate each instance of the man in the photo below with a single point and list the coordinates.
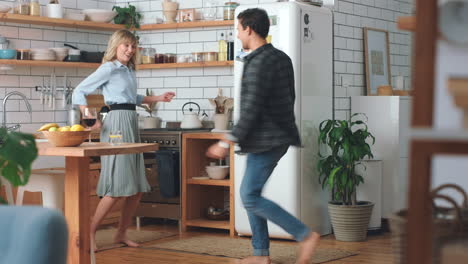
(265, 131)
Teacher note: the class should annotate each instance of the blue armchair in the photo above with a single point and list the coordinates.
(31, 234)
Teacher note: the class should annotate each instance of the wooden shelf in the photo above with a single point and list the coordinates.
(185, 65)
(96, 65)
(195, 24)
(209, 182)
(60, 22)
(51, 63)
(201, 222)
(199, 194)
(407, 23)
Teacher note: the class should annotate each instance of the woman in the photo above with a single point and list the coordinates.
(122, 176)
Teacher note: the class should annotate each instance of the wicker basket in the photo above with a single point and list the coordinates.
(448, 224)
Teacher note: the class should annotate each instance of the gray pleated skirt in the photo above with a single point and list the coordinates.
(122, 175)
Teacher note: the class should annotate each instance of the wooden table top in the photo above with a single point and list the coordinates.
(94, 149)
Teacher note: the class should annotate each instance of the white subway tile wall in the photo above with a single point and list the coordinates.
(193, 84)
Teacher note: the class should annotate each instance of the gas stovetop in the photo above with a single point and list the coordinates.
(167, 137)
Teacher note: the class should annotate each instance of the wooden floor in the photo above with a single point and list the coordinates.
(376, 250)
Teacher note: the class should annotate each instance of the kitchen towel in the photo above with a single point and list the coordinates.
(167, 162)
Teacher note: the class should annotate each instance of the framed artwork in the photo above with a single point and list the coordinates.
(377, 59)
(187, 15)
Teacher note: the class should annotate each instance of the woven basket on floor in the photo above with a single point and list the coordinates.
(448, 224)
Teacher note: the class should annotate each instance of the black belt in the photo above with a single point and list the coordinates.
(122, 107)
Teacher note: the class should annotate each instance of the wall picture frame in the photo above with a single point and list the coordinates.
(377, 59)
(187, 15)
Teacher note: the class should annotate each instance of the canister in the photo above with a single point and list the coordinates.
(229, 8)
(23, 54)
(197, 56)
(211, 56)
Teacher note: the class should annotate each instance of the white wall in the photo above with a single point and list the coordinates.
(351, 16)
(196, 84)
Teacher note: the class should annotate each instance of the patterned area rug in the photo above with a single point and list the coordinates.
(104, 237)
(281, 252)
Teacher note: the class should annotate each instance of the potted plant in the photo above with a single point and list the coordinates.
(151, 121)
(347, 144)
(17, 152)
(127, 16)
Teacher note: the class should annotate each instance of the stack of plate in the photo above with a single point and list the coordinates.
(43, 54)
(60, 53)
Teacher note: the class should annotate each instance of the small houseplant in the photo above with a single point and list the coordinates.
(127, 16)
(17, 152)
(348, 144)
(151, 121)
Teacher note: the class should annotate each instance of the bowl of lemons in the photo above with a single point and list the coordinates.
(66, 136)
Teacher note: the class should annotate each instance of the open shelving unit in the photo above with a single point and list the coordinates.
(60, 22)
(199, 194)
(89, 65)
(427, 140)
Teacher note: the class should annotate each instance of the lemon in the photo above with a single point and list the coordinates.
(77, 128)
(53, 129)
(65, 128)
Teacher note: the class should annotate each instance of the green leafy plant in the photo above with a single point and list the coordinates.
(346, 141)
(17, 152)
(127, 16)
(149, 108)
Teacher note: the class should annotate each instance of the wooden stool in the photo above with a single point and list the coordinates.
(48, 181)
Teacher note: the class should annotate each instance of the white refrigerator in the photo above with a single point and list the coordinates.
(304, 32)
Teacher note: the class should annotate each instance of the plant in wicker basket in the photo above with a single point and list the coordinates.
(347, 144)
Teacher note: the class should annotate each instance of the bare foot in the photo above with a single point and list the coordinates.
(307, 248)
(254, 260)
(125, 240)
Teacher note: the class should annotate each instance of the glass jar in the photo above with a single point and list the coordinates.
(35, 8)
(197, 56)
(170, 58)
(147, 56)
(22, 7)
(23, 54)
(229, 10)
(211, 56)
(159, 58)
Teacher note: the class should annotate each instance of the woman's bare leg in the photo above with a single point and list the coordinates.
(103, 208)
(128, 211)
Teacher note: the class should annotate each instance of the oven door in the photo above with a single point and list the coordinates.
(163, 174)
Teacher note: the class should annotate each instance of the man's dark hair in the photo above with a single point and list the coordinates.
(257, 19)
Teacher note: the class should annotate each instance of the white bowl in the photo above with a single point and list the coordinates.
(99, 15)
(4, 8)
(75, 16)
(217, 172)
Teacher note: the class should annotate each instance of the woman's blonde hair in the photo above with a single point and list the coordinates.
(119, 37)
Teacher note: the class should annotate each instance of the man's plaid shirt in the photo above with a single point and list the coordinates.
(267, 102)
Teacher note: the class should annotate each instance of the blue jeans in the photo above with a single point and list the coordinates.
(259, 210)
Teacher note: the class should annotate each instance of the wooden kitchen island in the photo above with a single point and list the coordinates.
(77, 189)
